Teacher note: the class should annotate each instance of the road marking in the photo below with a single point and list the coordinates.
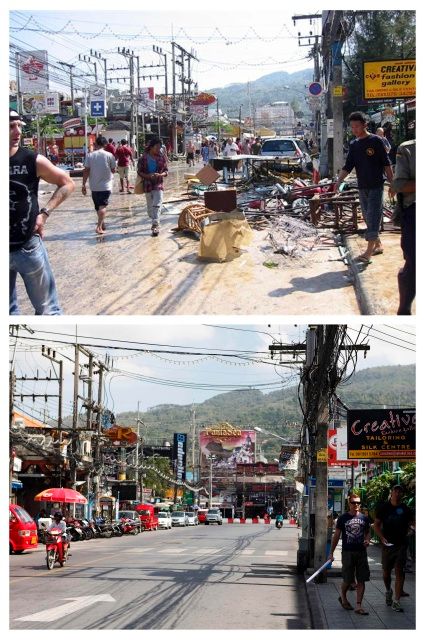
(276, 553)
(173, 550)
(138, 550)
(50, 615)
(200, 551)
(247, 552)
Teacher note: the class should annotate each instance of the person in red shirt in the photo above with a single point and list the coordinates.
(124, 156)
(110, 146)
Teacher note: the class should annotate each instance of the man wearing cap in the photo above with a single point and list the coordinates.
(152, 167)
(28, 256)
(392, 523)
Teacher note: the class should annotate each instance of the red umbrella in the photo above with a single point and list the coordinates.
(61, 495)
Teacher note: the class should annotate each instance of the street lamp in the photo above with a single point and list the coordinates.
(270, 433)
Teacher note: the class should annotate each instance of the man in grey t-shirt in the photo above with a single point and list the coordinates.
(99, 168)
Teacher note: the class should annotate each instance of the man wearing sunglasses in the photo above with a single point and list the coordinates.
(355, 530)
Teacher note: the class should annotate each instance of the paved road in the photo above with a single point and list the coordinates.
(230, 576)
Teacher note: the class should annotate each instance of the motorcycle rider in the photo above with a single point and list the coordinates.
(59, 523)
(279, 521)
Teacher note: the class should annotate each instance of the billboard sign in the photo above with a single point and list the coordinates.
(389, 79)
(33, 71)
(179, 457)
(229, 446)
(146, 99)
(381, 434)
(40, 103)
(288, 458)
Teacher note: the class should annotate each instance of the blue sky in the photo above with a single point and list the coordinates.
(232, 45)
(125, 393)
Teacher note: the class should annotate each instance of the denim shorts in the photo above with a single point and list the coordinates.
(371, 204)
(100, 199)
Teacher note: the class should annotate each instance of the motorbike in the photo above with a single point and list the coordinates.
(56, 548)
(130, 526)
(279, 524)
(75, 530)
(117, 529)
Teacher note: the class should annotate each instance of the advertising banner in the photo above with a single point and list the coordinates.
(334, 451)
(288, 458)
(33, 71)
(228, 445)
(146, 99)
(41, 103)
(383, 79)
(378, 434)
(179, 455)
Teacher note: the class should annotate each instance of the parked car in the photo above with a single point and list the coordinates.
(22, 530)
(214, 515)
(179, 519)
(164, 520)
(291, 148)
(192, 518)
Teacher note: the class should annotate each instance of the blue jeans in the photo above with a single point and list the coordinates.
(371, 203)
(32, 263)
(154, 204)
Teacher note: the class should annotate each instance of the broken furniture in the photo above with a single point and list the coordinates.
(340, 210)
(221, 200)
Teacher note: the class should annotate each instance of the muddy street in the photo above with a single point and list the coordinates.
(127, 272)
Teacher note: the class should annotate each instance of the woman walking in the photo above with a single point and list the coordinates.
(152, 168)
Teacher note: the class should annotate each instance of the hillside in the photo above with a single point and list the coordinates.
(264, 90)
(394, 385)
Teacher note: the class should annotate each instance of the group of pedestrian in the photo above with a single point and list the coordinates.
(392, 525)
(367, 154)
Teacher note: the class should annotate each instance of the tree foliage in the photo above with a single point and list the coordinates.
(378, 35)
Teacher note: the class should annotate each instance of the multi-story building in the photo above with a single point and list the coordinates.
(278, 116)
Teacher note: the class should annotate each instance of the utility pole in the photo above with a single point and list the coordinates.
(50, 354)
(71, 82)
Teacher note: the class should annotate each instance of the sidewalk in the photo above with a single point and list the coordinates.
(327, 612)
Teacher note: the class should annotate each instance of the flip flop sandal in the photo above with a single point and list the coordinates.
(361, 612)
(378, 252)
(363, 260)
(347, 606)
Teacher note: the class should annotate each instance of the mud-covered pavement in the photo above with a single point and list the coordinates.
(127, 272)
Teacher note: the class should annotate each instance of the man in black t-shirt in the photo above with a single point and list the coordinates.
(392, 523)
(367, 155)
(27, 255)
(355, 530)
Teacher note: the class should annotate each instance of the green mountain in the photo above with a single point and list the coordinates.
(278, 411)
(264, 90)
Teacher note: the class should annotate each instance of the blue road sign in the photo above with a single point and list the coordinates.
(97, 108)
(315, 88)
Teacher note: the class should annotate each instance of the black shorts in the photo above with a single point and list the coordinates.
(394, 556)
(355, 565)
(100, 199)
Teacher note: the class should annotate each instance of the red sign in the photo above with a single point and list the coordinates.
(332, 459)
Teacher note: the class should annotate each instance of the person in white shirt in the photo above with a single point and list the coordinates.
(230, 150)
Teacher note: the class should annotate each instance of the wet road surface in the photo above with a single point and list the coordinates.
(127, 272)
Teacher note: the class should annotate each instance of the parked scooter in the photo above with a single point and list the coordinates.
(56, 548)
(130, 526)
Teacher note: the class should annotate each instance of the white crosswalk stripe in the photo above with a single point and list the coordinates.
(173, 550)
(276, 553)
(247, 552)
